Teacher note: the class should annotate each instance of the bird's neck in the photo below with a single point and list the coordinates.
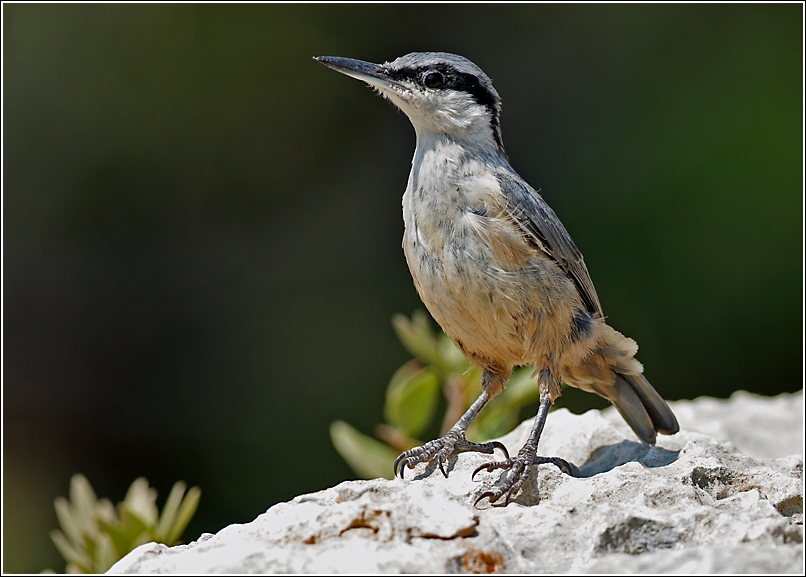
(441, 159)
(476, 139)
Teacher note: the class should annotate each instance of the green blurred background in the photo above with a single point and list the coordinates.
(202, 226)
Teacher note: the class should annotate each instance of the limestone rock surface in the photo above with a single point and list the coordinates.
(725, 495)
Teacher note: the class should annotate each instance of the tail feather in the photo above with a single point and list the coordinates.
(630, 405)
(611, 371)
(658, 410)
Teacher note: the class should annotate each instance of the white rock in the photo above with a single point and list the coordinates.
(761, 427)
(690, 504)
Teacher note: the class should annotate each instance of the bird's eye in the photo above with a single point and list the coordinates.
(433, 80)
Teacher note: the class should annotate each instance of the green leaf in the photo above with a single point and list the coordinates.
(417, 336)
(411, 399)
(64, 512)
(366, 456)
(142, 500)
(493, 423)
(521, 390)
(452, 359)
(105, 554)
(120, 540)
(105, 511)
(169, 510)
(82, 505)
(183, 516)
(70, 553)
(82, 496)
(132, 525)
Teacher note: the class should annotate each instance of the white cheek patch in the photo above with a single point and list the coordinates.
(438, 111)
(455, 110)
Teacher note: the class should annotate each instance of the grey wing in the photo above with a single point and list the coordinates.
(543, 229)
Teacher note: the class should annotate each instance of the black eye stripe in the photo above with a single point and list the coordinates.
(452, 78)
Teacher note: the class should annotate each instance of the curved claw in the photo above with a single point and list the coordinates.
(566, 468)
(485, 495)
(509, 494)
(493, 496)
(400, 464)
(500, 445)
(490, 467)
(561, 464)
(441, 467)
(473, 476)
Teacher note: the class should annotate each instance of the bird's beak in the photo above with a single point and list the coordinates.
(373, 74)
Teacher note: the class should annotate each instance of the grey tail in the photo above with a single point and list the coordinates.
(642, 407)
(613, 372)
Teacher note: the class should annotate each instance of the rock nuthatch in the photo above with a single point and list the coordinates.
(495, 266)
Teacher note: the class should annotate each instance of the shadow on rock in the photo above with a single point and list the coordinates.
(609, 457)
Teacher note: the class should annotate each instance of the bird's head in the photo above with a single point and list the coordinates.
(441, 93)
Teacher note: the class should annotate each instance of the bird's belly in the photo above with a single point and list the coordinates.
(496, 311)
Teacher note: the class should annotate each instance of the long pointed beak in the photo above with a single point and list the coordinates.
(373, 74)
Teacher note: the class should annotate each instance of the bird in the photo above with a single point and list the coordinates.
(496, 268)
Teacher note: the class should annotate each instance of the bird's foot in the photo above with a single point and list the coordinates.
(454, 441)
(518, 471)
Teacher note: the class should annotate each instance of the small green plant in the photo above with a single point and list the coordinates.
(95, 534)
(412, 399)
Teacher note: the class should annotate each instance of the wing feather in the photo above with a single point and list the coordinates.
(544, 229)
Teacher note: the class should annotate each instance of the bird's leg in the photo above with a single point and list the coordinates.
(521, 467)
(454, 441)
